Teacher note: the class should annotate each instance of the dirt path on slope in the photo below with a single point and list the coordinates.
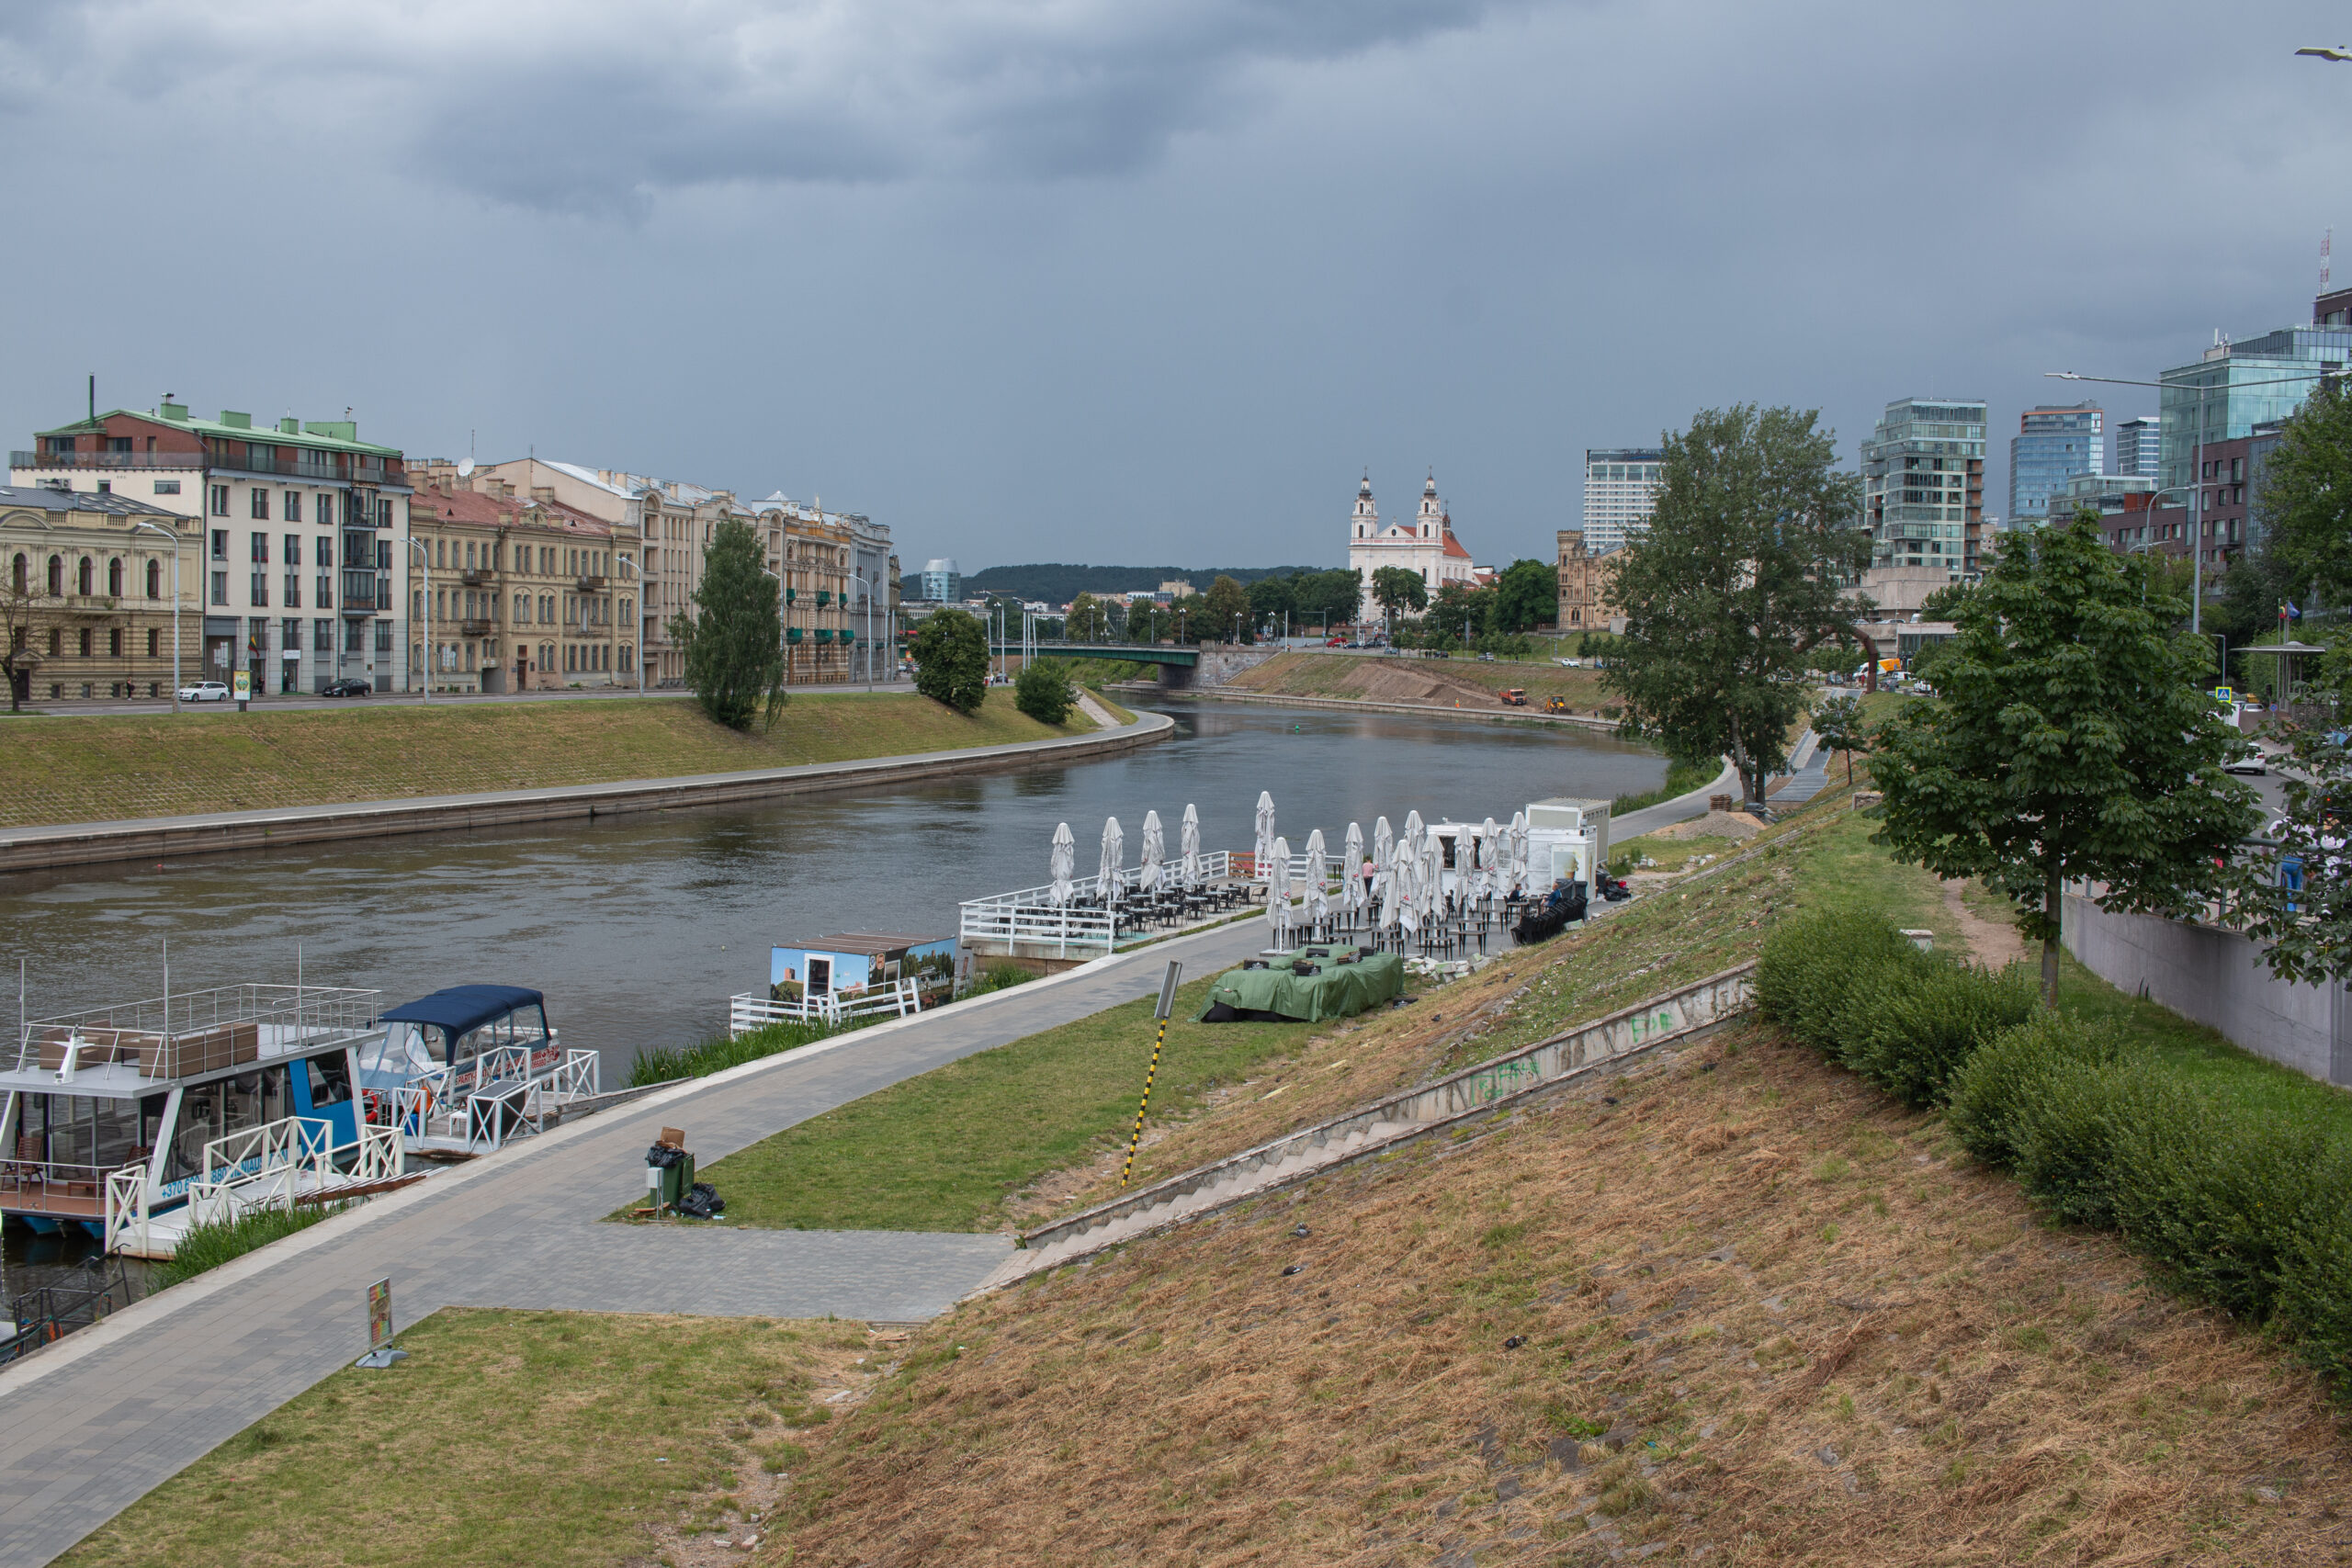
(1993, 943)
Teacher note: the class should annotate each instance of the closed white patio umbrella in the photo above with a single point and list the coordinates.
(1319, 874)
(1147, 863)
(1061, 866)
(1352, 891)
(1278, 912)
(1384, 857)
(1519, 851)
(1189, 842)
(1114, 855)
(1263, 846)
(1403, 895)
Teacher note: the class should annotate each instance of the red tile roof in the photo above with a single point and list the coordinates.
(429, 506)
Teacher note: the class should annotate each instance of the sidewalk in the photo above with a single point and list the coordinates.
(103, 1416)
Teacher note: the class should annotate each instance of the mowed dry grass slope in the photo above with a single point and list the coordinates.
(1733, 1306)
(1439, 681)
(105, 768)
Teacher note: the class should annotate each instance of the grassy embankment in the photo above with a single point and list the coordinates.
(1439, 681)
(562, 1440)
(1756, 1307)
(77, 769)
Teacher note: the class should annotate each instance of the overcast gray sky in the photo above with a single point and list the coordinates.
(1144, 281)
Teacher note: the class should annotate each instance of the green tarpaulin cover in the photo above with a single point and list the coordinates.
(1341, 990)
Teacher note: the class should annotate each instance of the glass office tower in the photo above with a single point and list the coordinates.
(2135, 448)
(2052, 445)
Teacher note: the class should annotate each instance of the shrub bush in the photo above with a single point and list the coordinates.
(2228, 1202)
(1043, 690)
(1809, 963)
(666, 1063)
(1909, 1022)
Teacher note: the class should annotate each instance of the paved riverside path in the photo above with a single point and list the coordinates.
(93, 1423)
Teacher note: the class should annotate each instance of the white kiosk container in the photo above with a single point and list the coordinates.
(1567, 839)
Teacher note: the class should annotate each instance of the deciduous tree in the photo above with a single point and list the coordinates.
(1043, 690)
(2068, 741)
(734, 638)
(1527, 595)
(951, 654)
(2307, 494)
(1225, 600)
(1744, 570)
(1396, 588)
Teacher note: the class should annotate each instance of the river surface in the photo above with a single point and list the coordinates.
(639, 928)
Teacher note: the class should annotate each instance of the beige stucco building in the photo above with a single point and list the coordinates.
(1584, 603)
(86, 594)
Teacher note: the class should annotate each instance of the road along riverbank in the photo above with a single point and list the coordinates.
(1434, 710)
(159, 837)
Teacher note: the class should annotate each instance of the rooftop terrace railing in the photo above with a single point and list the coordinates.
(195, 1032)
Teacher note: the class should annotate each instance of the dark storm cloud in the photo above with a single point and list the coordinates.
(612, 103)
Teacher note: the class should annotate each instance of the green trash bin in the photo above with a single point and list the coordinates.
(676, 1181)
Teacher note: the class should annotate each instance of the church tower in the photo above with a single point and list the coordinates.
(1367, 516)
(1432, 518)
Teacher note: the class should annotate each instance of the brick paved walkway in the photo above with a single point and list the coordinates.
(91, 1425)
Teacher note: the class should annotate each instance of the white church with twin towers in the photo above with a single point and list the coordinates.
(1425, 545)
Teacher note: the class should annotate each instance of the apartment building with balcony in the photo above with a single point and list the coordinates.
(87, 585)
(516, 592)
(644, 560)
(1923, 484)
(300, 526)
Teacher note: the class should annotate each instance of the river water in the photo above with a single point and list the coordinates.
(639, 928)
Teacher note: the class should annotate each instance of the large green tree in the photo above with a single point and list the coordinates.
(1745, 569)
(1044, 690)
(2068, 741)
(951, 654)
(2307, 495)
(1527, 595)
(734, 637)
(1398, 588)
(1223, 608)
(1086, 621)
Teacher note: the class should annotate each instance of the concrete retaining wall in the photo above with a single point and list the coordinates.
(2215, 978)
(1428, 710)
(94, 843)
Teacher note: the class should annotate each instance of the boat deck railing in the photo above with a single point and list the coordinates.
(489, 1100)
(1029, 921)
(194, 1031)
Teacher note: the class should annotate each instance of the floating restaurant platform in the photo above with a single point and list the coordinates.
(1095, 918)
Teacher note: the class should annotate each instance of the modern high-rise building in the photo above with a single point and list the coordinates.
(2052, 445)
(942, 584)
(1923, 484)
(2135, 448)
(1620, 490)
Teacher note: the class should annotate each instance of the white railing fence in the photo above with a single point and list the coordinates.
(127, 1208)
(261, 1167)
(382, 1154)
(752, 1010)
(494, 1115)
(577, 1076)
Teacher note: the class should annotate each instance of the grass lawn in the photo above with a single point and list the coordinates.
(946, 1151)
(77, 769)
(557, 1440)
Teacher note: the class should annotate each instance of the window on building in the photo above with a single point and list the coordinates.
(293, 506)
(383, 636)
(219, 543)
(220, 588)
(154, 643)
(114, 579)
(86, 578)
(261, 503)
(154, 579)
(84, 640)
(293, 549)
(167, 487)
(325, 518)
(324, 583)
(321, 637)
(355, 637)
(220, 500)
(261, 549)
(293, 591)
(441, 555)
(261, 587)
(326, 550)
(114, 642)
(56, 643)
(57, 577)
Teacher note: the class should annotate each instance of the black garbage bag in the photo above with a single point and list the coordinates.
(1219, 1013)
(660, 1157)
(702, 1202)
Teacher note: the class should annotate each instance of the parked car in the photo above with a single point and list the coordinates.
(1336, 642)
(347, 687)
(2250, 760)
(205, 691)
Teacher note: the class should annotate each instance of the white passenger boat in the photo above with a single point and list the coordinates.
(138, 1120)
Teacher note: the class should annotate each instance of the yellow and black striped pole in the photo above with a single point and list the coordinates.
(1167, 1005)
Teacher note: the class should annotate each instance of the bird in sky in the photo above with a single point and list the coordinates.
(2327, 53)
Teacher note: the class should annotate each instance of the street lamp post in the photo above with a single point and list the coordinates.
(175, 538)
(425, 568)
(2196, 471)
